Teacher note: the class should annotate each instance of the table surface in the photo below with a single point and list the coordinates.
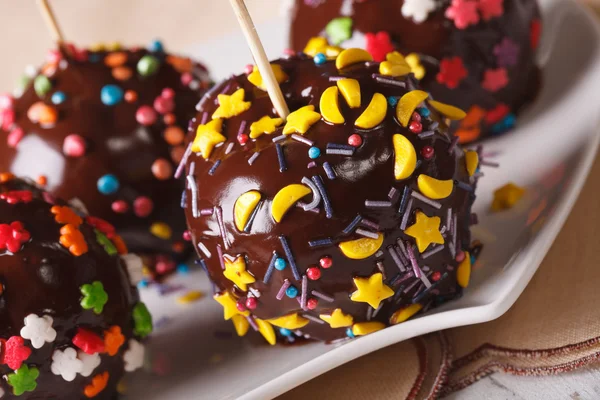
(25, 40)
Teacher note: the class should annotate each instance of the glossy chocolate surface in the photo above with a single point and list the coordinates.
(42, 277)
(436, 39)
(367, 175)
(115, 142)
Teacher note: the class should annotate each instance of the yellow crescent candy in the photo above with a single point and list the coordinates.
(330, 106)
(257, 80)
(405, 157)
(365, 328)
(451, 112)
(291, 321)
(463, 272)
(433, 188)
(352, 56)
(388, 68)
(240, 324)
(315, 45)
(374, 114)
(405, 313)
(350, 89)
(244, 207)
(361, 248)
(472, 161)
(407, 105)
(266, 329)
(286, 198)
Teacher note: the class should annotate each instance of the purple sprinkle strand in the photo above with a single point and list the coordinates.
(212, 169)
(220, 255)
(279, 138)
(316, 195)
(313, 318)
(183, 201)
(426, 134)
(242, 127)
(432, 251)
(453, 144)
(322, 296)
(369, 313)
(377, 311)
(381, 269)
(404, 200)
(329, 170)
(396, 258)
(320, 243)
(370, 224)
(304, 292)
(194, 190)
(290, 257)
(339, 152)
(337, 146)
(286, 284)
(204, 250)
(464, 186)
(449, 219)
(326, 202)
(252, 322)
(311, 164)
(229, 148)
(413, 261)
(204, 118)
(406, 215)
(377, 204)
(425, 200)
(281, 158)
(352, 225)
(302, 139)
(271, 268)
(336, 78)
(205, 212)
(387, 81)
(411, 286)
(183, 161)
(392, 193)
(253, 158)
(219, 213)
(365, 233)
(402, 248)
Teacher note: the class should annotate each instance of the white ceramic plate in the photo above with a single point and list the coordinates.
(193, 353)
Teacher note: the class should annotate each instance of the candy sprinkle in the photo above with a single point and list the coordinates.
(320, 243)
(290, 257)
(396, 258)
(278, 138)
(253, 158)
(229, 148)
(348, 230)
(302, 139)
(283, 289)
(204, 249)
(433, 251)
(406, 215)
(194, 189)
(303, 297)
(271, 267)
(329, 170)
(326, 202)
(219, 213)
(316, 195)
(370, 224)
(425, 200)
(212, 169)
(314, 319)
(365, 233)
(377, 204)
(183, 161)
(322, 296)
(281, 158)
(388, 81)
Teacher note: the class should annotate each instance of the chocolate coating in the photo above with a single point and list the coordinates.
(437, 39)
(43, 277)
(367, 175)
(141, 153)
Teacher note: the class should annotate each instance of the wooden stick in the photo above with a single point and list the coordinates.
(51, 22)
(260, 57)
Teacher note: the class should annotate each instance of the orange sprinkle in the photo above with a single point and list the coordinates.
(73, 239)
(170, 119)
(180, 64)
(42, 113)
(466, 135)
(177, 153)
(130, 96)
(474, 117)
(42, 180)
(115, 59)
(113, 340)
(98, 384)
(119, 244)
(6, 176)
(66, 215)
(122, 73)
(174, 135)
(178, 247)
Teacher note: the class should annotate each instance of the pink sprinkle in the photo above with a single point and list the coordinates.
(186, 78)
(142, 206)
(6, 102)
(74, 146)
(187, 236)
(145, 115)
(460, 256)
(7, 119)
(164, 105)
(120, 206)
(53, 56)
(289, 52)
(14, 137)
(248, 69)
(168, 93)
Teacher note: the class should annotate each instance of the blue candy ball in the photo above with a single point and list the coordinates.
(392, 101)
(349, 333)
(58, 98)
(424, 112)
(320, 59)
(291, 292)
(111, 95)
(108, 184)
(183, 269)
(285, 332)
(143, 284)
(156, 46)
(280, 264)
(314, 152)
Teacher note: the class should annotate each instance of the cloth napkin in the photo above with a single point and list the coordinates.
(553, 328)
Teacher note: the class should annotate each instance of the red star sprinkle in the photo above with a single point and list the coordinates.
(13, 236)
(379, 45)
(491, 8)
(495, 79)
(88, 341)
(17, 196)
(15, 352)
(535, 33)
(495, 115)
(463, 13)
(102, 225)
(452, 72)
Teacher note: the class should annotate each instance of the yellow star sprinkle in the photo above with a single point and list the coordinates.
(301, 120)
(256, 79)
(266, 125)
(371, 290)
(229, 305)
(266, 329)
(417, 68)
(290, 321)
(425, 231)
(507, 196)
(236, 272)
(231, 105)
(337, 319)
(207, 137)
(240, 324)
